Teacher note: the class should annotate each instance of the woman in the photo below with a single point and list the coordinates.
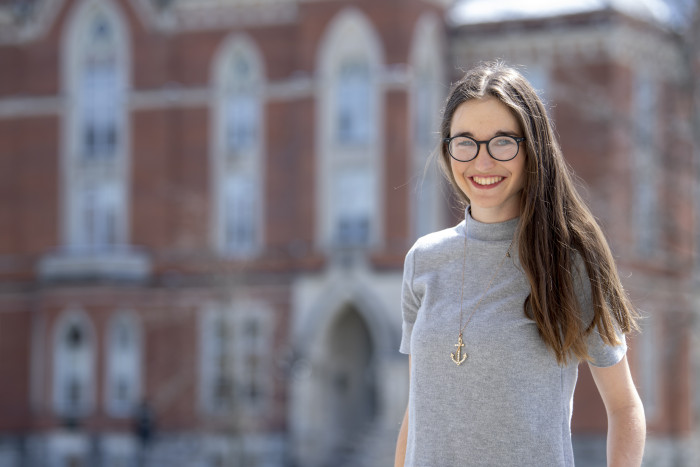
(499, 310)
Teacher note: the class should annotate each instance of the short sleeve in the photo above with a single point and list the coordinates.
(409, 303)
(602, 354)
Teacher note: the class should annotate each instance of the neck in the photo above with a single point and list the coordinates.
(493, 215)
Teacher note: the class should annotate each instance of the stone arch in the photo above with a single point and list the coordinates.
(338, 295)
(350, 376)
(339, 390)
(80, 14)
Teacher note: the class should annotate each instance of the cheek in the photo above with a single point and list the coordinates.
(457, 169)
(521, 177)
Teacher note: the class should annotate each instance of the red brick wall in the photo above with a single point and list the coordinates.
(170, 198)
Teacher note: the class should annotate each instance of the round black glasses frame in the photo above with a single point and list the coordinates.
(518, 140)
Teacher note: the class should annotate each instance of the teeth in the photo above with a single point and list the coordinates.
(487, 180)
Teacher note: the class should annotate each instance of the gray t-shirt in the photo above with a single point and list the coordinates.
(510, 402)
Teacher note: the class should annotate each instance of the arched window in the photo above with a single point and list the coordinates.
(426, 94)
(99, 90)
(73, 365)
(349, 121)
(242, 106)
(123, 369)
(237, 167)
(647, 146)
(95, 71)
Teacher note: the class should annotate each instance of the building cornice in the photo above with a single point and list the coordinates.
(621, 41)
(176, 16)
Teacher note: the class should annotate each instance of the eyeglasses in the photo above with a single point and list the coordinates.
(501, 148)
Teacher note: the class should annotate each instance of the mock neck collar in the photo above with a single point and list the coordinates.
(497, 231)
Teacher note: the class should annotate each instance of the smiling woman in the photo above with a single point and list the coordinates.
(491, 179)
(499, 310)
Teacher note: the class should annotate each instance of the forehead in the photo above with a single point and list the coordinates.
(483, 118)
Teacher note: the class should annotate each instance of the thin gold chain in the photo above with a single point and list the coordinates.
(462, 327)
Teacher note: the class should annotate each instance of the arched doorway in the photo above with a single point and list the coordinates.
(350, 383)
(344, 378)
(335, 403)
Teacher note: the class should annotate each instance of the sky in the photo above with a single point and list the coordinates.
(481, 11)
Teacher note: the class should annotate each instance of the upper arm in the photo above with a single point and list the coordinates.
(410, 303)
(615, 386)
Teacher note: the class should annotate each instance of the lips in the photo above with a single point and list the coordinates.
(486, 181)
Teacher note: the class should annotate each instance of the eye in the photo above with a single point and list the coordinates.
(502, 141)
(463, 142)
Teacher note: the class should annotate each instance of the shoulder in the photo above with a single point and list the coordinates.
(438, 241)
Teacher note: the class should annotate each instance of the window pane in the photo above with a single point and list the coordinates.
(241, 123)
(424, 103)
(99, 216)
(354, 115)
(123, 366)
(240, 219)
(73, 375)
(645, 164)
(97, 170)
(99, 100)
(353, 206)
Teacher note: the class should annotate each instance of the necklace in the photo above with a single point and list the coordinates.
(459, 356)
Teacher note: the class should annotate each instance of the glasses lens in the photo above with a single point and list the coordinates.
(463, 148)
(503, 147)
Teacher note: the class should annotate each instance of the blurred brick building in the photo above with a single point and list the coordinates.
(205, 210)
(206, 203)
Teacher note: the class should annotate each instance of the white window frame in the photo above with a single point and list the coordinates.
(66, 367)
(645, 154)
(81, 176)
(353, 97)
(229, 321)
(261, 348)
(215, 358)
(230, 166)
(426, 94)
(353, 205)
(125, 366)
(349, 38)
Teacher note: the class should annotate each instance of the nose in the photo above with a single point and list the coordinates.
(483, 161)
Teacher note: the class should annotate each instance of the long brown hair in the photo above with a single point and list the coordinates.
(555, 223)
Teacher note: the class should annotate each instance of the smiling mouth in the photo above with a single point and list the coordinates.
(486, 181)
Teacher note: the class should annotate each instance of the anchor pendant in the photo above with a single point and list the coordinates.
(459, 357)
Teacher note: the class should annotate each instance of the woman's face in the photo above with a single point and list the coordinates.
(492, 186)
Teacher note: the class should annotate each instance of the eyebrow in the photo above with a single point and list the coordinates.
(497, 133)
